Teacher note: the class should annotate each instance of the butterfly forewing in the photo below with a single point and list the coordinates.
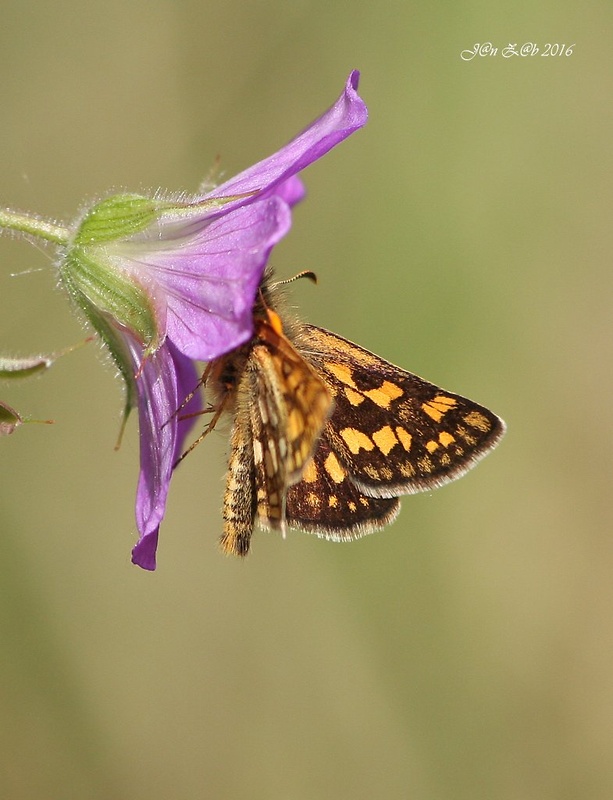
(289, 409)
(393, 432)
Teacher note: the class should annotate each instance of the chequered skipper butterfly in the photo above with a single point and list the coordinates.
(326, 436)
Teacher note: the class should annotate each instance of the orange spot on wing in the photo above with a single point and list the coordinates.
(356, 440)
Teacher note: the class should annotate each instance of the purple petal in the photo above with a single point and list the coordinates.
(204, 265)
(347, 115)
(187, 380)
(165, 379)
(292, 190)
(209, 276)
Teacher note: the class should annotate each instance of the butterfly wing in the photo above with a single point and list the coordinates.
(327, 436)
(290, 408)
(326, 502)
(393, 432)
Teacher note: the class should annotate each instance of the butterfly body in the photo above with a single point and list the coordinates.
(327, 436)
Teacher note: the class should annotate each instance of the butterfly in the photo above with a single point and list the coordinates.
(326, 436)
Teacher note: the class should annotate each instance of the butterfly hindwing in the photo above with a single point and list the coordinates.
(326, 502)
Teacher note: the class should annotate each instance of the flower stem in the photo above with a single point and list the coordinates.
(24, 223)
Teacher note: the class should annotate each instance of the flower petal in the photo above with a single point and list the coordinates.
(209, 278)
(165, 379)
(292, 190)
(347, 115)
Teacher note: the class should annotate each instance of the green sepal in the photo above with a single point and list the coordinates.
(115, 218)
(121, 356)
(93, 281)
(116, 345)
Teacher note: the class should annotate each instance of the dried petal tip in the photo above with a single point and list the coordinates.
(9, 419)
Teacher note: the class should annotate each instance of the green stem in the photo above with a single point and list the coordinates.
(24, 223)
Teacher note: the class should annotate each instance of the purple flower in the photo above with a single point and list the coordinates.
(165, 281)
(166, 379)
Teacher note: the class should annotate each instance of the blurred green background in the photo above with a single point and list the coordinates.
(465, 652)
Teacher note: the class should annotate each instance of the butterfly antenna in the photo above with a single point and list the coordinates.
(306, 273)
